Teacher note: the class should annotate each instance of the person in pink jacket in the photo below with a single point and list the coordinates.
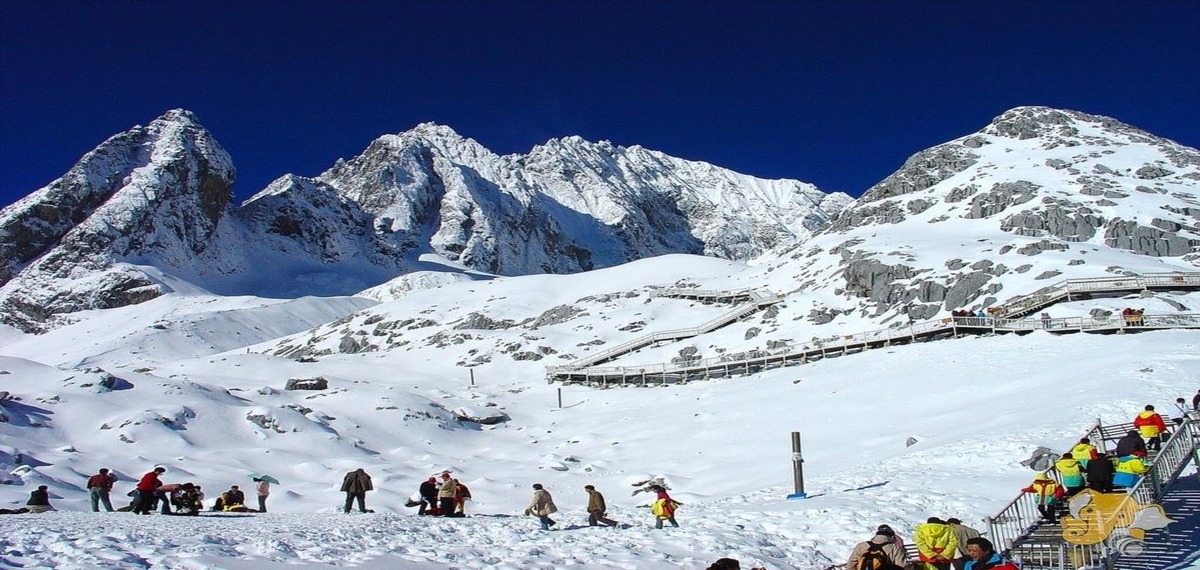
(262, 488)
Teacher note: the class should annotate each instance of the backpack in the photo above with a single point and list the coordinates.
(876, 559)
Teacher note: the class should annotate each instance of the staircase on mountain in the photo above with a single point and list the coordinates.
(586, 371)
(1019, 531)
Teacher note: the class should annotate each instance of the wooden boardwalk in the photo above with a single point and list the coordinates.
(1006, 319)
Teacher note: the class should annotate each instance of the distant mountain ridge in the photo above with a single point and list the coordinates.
(158, 199)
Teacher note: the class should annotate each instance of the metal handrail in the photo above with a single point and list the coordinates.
(1013, 524)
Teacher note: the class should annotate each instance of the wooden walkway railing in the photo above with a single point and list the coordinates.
(757, 300)
(585, 371)
(1018, 530)
(754, 361)
(1084, 288)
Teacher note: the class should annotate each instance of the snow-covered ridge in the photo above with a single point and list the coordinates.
(160, 196)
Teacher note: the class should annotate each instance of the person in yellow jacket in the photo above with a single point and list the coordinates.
(1129, 469)
(1071, 473)
(936, 544)
(1151, 426)
(1047, 493)
(1084, 451)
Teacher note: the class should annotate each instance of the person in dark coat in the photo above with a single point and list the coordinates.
(1131, 444)
(355, 485)
(429, 501)
(1100, 473)
(39, 500)
(1196, 401)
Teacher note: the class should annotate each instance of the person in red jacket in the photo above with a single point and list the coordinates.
(143, 500)
(1047, 494)
(99, 485)
(1151, 426)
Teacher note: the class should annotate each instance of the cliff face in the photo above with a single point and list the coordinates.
(1030, 195)
(148, 211)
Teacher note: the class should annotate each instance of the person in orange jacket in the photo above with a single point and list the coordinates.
(1151, 427)
(1047, 493)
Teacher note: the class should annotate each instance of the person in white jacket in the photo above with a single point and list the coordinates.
(262, 488)
(542, 506)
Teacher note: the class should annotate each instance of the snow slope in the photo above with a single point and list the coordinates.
(976, 406)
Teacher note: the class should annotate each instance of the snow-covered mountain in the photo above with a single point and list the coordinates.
(160, 196)
(1038, 196)
(437, 369)
(971, 223)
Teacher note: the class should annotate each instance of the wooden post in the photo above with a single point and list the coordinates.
(797, 468)
(560, 398)
(472, 370)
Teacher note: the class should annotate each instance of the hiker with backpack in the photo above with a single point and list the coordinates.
(878, 553)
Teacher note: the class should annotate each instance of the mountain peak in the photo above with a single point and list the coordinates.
(1030, 122)
(178, 116)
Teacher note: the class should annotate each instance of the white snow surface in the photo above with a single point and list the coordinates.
(195, 368)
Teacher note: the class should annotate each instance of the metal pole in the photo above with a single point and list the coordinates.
(560, 398)
(472, 370)
(797, 468)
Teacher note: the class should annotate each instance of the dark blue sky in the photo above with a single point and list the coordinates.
(837, 93)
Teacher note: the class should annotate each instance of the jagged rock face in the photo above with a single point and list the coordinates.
(153, 195)
(569, 205)
(1036, 190)
(159, 196)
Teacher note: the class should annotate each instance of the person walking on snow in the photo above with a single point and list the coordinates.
(1047, 493)
(99, 486)
(355, 485)
(596, 508)
(1151, 426)
(262, 488)
(935, 543)
(664, 507)
(879, 547)
(542, 506)
(962, 534)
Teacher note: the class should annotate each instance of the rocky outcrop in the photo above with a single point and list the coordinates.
(1000, 197)
(1054, 221)
(923, 170)
(1128, 234)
